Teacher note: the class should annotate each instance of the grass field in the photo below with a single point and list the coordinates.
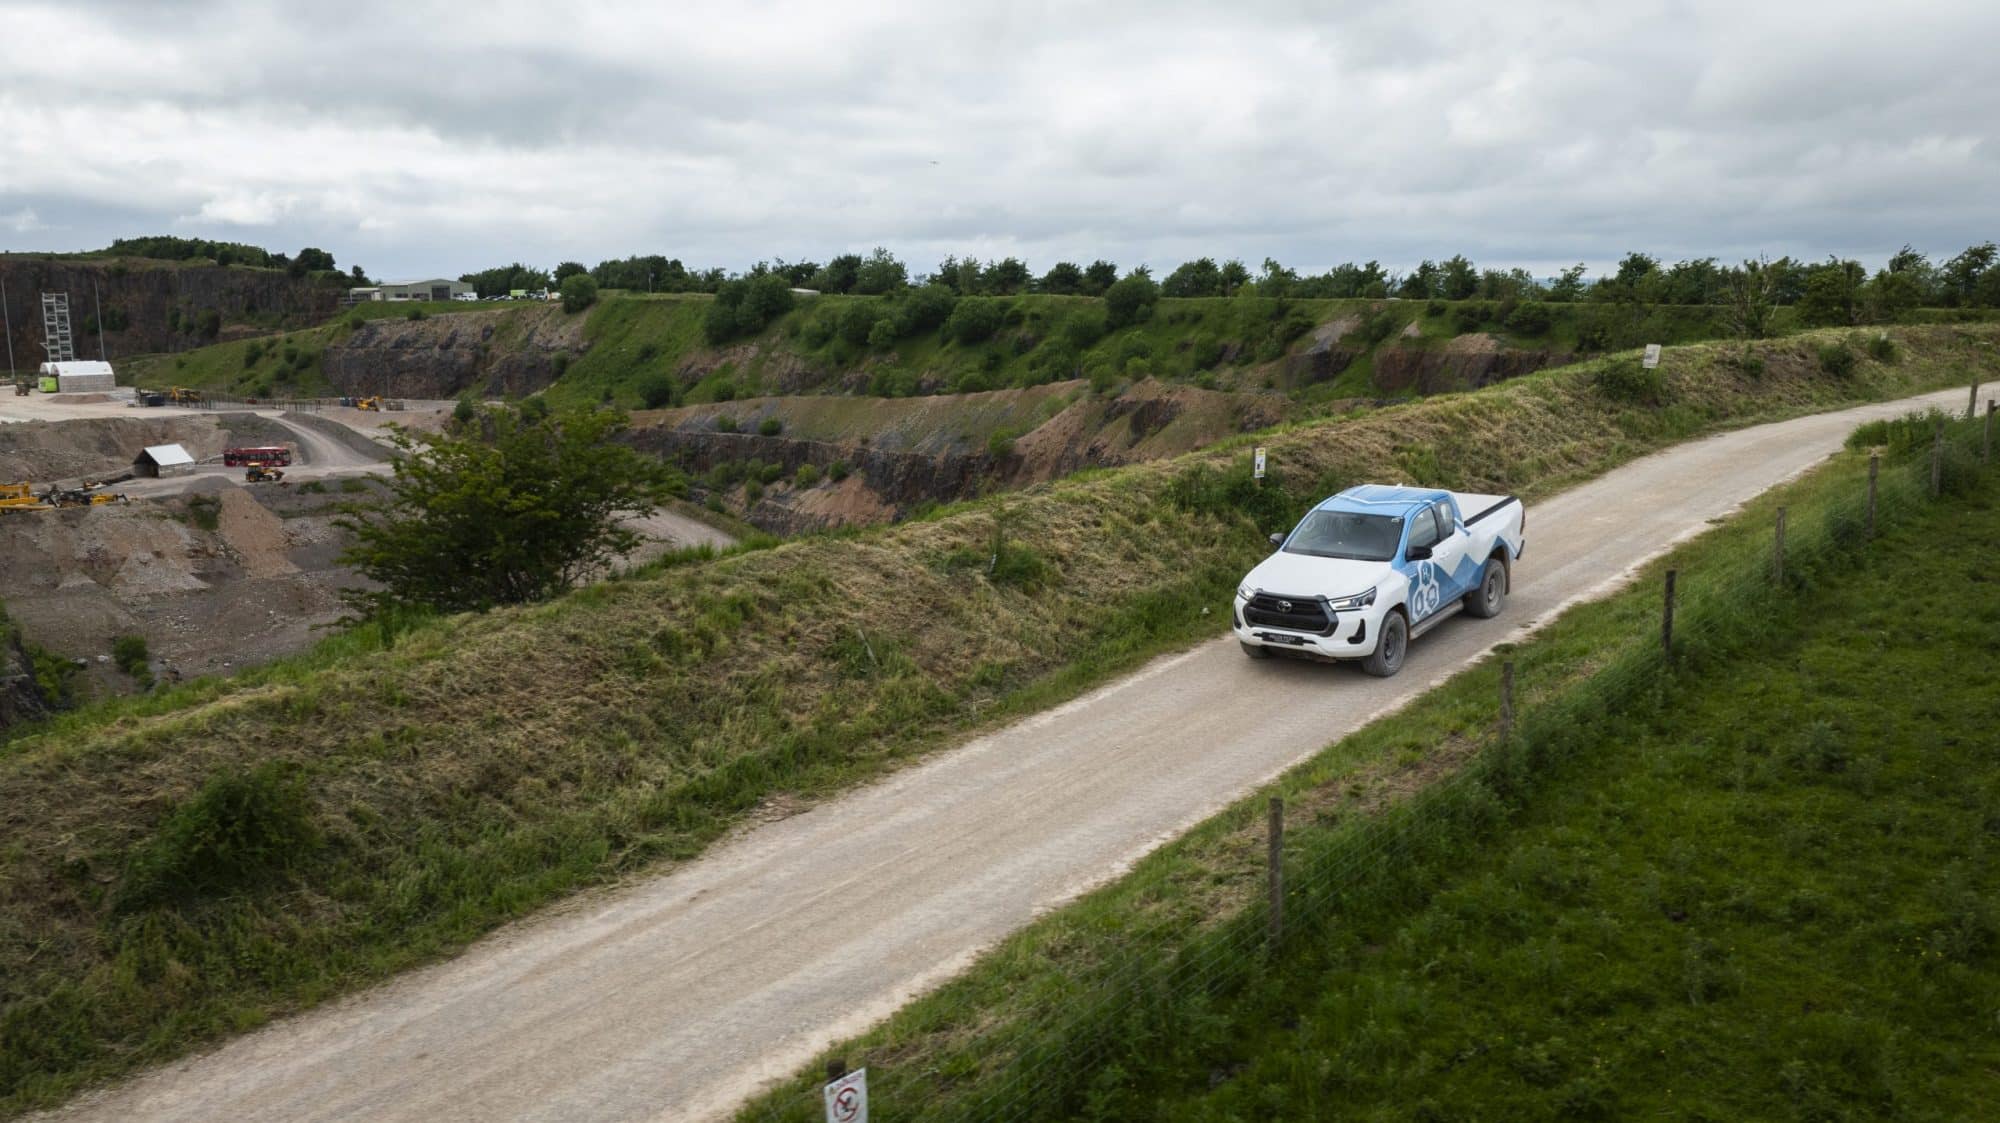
(1757, 887)
(403, 789)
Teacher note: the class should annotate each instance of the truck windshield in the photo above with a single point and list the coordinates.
(1341, 534)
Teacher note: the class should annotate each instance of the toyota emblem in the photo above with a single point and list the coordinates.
(1284, 606)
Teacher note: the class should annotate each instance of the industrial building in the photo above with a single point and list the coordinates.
(438, 289)
(161, 461)
(79, 376)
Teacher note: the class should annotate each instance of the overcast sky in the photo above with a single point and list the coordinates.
(419, 139)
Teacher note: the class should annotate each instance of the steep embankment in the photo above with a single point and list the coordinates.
(22, 699)
(801, 463)
(154, 306)
(398, 798)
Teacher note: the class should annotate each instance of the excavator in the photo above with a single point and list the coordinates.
(21, 497)
(182, 396)
(368, 403)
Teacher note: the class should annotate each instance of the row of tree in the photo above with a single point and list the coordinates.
(308, 262)
(1829, 289)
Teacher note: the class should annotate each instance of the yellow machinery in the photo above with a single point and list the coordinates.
(182, 396)
(369, 403)
(20, 497)
(258, 474)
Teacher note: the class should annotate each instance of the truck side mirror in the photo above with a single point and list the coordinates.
(1277, 540)
(1417, 553)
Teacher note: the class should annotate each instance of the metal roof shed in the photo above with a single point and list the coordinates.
(82, 376)
(164, 460)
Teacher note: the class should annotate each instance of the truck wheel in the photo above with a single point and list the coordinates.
(1486, 600)
(1387, 658)
(1255, 650)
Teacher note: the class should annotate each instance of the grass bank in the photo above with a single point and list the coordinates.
(187, 864)
(1738, 886)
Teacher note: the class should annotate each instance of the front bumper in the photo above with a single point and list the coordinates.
(1351, 637)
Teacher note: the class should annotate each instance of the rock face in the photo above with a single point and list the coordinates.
(496, 352)
(1457, 367)
(20, 696)
(152, 306)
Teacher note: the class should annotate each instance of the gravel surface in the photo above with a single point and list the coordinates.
(676, 996)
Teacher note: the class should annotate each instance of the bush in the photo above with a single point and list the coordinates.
(560, 363)
(837, 471)
(882, 334)
(414, 314)
(1529, 318)
(131, 656)
(1882, 349)
(656, 391)
(1130, 301)
(770, 427)
(240, 828)
(1465, 320)
(1836, 360)
(975, 319)
(753, 491)
(579, 291)
(253, 353)
(1751, 364)
(806, 476)
(354, 322)
(1625, 380)
(769, 473)
(1435, 308)
(725, 423)
(1000, 445)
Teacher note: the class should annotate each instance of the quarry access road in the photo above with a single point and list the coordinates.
(676, 996)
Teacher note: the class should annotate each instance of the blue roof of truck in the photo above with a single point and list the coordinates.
(1382, 499)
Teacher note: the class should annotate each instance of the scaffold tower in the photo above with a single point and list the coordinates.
(55, 328)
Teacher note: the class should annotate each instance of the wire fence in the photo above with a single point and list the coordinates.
(1151, 984)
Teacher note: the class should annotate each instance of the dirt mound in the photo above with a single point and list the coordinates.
(46, 451)
(254, 535)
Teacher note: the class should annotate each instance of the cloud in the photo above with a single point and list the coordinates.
(23, 221)
(422, 140)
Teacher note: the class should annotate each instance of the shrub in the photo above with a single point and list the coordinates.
(882, 334)
(975, 319)
(725, 423)
(354, 322)
(806, 476)
(1529, 318)
(1751, 364)
(253, 353)
(414, 314)
(770, 427)
(1130, 301)
(1882, 349)
(1836, 360)
(837, 471)
(656, 391)
(205, 511)
(1435, 308)
(1465, 320)
(769, 473)
(131, 656)
(753, 491)
(1000, 445)
(560, 363)
(240, 828)
(579, 291)
(1625, 380)
(1083, 329)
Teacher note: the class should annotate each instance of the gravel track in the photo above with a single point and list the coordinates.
(674, 997)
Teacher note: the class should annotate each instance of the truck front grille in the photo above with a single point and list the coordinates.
(1297, 614)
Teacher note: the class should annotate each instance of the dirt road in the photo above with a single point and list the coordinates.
(675, 997)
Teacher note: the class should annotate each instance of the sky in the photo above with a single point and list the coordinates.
(420, 140)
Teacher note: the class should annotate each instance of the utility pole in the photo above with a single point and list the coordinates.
(7, 318)
(98, 304)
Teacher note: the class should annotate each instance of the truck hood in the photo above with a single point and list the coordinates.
(1315, 577)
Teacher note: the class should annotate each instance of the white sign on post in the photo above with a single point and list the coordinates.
(1652, 358)
(847, 1098)
(1258, 471)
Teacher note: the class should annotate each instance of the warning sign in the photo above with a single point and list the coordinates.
(847, 1098)
(1652, 358)
(1258, 469)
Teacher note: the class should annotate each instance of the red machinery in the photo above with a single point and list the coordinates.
(275, 456)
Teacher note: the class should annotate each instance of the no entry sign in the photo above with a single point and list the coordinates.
(847, 1098)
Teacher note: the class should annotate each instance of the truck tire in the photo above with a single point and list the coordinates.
(1491, 593)
(1255, 650)
(1393, 644)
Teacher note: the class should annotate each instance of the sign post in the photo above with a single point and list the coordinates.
(1652, 356)
(847, 1098)
(1257, 464)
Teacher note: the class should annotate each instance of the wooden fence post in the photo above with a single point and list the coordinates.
(1937, 459)
(1275, 860)
(1986, 440)
(1507, 700)
(1874, 469)
(1779, 554)
(1667, 620)
(1972, 403)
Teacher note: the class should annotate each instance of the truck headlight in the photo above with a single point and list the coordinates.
(1245, 592)
(1349, 604)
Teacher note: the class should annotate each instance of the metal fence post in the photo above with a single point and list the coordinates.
(1275, 860)
(1874, 469)
(1779, 553)
(1986, 438)
(1667, 619)
(1507, 700)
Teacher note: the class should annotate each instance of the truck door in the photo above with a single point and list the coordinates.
(1455, 578)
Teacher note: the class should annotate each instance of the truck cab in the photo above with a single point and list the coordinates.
(1373, 567)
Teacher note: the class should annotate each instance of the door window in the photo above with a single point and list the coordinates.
(1424, 528)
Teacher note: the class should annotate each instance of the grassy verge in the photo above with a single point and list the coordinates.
(459, 772)
(1738, 887)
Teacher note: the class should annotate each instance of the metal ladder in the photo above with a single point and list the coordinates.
(55, 328)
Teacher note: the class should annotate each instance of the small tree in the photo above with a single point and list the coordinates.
(1130, 300)
(579, 291)
(517, 507)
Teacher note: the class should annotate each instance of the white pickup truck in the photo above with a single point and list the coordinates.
(1374, 567)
